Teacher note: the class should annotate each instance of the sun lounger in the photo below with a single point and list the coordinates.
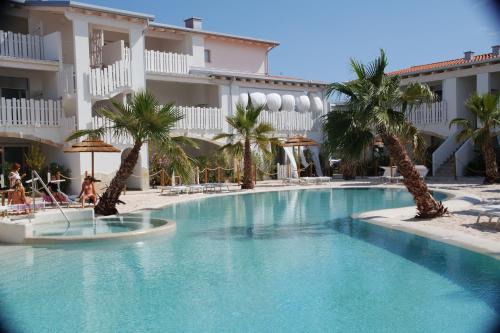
(490, 211)
(196, 188)
(314, 180)
(215, 186)
(176, 189)
(290, 180)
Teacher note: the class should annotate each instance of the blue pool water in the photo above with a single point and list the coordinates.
(270, 262)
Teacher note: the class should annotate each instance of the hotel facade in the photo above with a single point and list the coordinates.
(60, 61)
(453, 81)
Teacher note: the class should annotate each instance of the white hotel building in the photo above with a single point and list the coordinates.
(453, 81)
(60, 60)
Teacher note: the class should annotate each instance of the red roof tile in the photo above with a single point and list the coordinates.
(443, 64)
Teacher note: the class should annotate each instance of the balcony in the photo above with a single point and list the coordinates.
(166, 62)
(435, 113)
(288, 121)
(30, 51)
(35, 119)
(110, 81)
(198, 121)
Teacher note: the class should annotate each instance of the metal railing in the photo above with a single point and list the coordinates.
(36, 177)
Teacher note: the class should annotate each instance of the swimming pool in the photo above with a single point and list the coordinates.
(280, 261)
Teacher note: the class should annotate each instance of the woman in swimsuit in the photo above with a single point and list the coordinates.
(18, 196)
(88, 191)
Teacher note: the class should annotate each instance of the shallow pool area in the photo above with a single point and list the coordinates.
(288, 261)
(98, 226)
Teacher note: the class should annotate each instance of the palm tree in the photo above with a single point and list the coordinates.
(247, 131)
(145, 121)
(377, 103)
(350, 145)
(486, 109)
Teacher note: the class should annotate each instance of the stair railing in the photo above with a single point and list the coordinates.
(36, 177)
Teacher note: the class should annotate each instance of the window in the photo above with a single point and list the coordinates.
(13, 87)
(208, 56)
(10, 93)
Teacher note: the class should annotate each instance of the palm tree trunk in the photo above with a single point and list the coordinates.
(490, 160)
(107, 202)
(348, 170)
(427, 206)
(247, 167)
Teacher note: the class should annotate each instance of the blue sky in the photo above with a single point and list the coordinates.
(319, 36)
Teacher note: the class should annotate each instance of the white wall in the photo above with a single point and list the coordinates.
(184, 94)
(235, 56)
(167, 45)
(50, 23)
(40, 84)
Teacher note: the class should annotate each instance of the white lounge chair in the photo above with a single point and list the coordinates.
(196, 188)
(176, 189)
(490, 211)
(388, 175)
(215, 186)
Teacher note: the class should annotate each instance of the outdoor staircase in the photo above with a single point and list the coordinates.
(447, 169)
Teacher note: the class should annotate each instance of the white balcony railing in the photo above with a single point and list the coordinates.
(195, 119)
(200, 118)
(31, 47)
(111, 80)
(66, 77)
(428, 114)
(166, 62)
(21, 46)
(288, 120)
(30, 112)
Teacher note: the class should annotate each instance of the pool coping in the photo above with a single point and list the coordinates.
(403, 219)
(166, 228)
(393, 218)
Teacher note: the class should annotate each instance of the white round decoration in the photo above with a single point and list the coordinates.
(243, 100)
(303, 103)
(258, 99)
(287, 103)
(273, 102)
(316, 103)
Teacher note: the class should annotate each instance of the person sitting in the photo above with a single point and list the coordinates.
(54, 190)
(88, 191)
(18, 196)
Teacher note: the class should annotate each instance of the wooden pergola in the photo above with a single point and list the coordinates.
(92, 146)
(299, 141)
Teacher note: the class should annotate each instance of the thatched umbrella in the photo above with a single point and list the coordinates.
(92, 146)
(299, 141)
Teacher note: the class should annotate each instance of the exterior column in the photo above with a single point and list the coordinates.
(450, 97)
(483, 83)
(136, 40)
(82, 67)
(80, 162)
(224, 102)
